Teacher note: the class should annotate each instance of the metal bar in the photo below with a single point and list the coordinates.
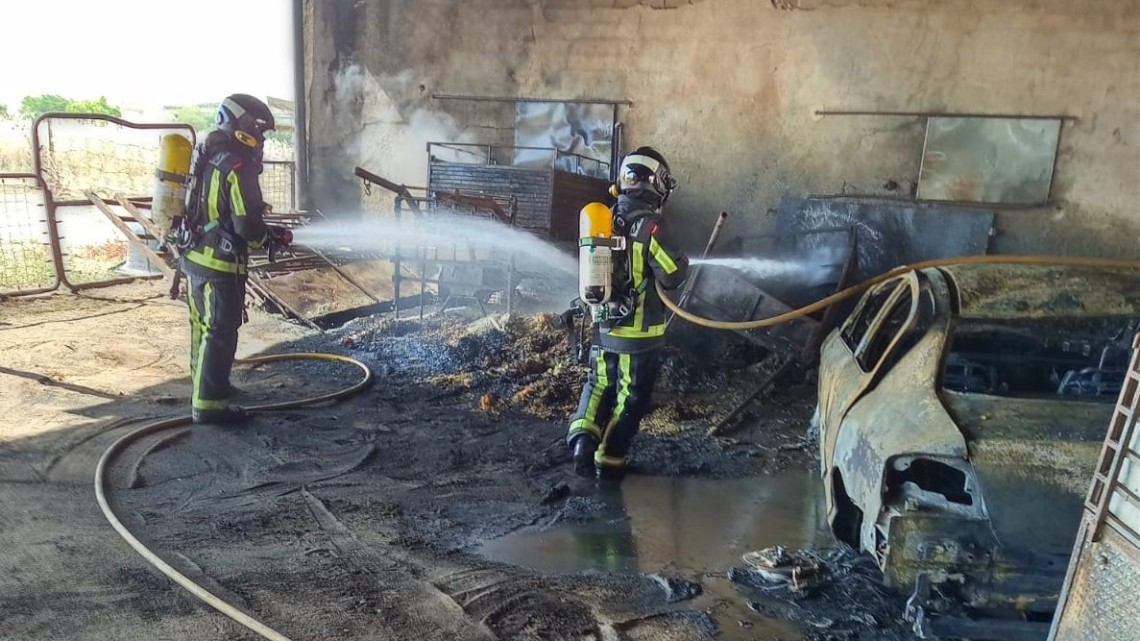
(718, 429)
(397, 277)
(300, 108)
(147, 223)
(37, 160)
(939, 114)
(687, 292)
(133, 238)
(400, 190)
(267, 294)
(944, 203)
(570, 101)
(352, 281)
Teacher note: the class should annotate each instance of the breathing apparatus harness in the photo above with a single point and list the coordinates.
(606, 294)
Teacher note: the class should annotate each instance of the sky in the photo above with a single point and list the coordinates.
(144, 54)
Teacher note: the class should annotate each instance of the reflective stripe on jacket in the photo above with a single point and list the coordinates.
(232, 205)
(652, 257)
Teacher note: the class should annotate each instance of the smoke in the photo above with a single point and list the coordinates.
(394, 136)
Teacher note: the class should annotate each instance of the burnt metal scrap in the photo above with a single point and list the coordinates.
(954, 443)
(836, 594)
(825, 262)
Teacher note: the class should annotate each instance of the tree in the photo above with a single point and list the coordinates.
(4, 111)
(200, 117)
(35, 106)
(97, 106)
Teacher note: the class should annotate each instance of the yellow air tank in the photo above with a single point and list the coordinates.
(596, 256)
(170, 180)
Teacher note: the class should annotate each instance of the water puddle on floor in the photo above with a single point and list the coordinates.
(691, 528)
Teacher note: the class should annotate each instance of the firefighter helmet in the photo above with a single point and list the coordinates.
(645, 173)
(245, 118)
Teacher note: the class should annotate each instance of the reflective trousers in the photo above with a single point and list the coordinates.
(216, 310)
(614, 400)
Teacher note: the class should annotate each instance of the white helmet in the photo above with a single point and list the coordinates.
(645, 174)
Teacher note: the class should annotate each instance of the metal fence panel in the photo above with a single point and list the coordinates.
(111, 157)
(26, 264)
(278, 185)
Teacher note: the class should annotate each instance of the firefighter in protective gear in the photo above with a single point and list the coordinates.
(224, 221)
(624, 359)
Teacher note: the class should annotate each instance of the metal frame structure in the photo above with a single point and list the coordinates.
(1098, 599)
(421, 257)
(52, 205)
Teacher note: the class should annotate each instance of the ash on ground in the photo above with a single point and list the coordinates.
(506, 366)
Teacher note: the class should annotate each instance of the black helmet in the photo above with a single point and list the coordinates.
(645, 174)
(245, 118)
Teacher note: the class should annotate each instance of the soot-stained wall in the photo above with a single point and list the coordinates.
(728, 89)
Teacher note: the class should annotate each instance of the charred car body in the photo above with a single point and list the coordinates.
(961, 411)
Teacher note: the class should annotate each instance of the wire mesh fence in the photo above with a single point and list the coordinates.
(51, 234)
(26, 264)
(278, 184)
(113, 158)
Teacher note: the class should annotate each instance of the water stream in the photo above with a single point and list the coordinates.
(806, 271)
(442, 235)
(692, 528)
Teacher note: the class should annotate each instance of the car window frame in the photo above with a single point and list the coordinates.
(861, 309)
(908, 282)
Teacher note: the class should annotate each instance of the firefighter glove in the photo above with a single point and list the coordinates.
(281, 236)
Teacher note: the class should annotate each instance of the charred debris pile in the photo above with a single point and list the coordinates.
(523, 364)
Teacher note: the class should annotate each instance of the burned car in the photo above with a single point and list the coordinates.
(961, 412)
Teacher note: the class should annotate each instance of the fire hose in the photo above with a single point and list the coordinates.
(857, 289)
(168, 423)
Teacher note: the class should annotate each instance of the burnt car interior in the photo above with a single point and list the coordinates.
(1043, 358)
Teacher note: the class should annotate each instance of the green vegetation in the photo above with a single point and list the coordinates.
(4, 111)
(35, 106)
(202, 119)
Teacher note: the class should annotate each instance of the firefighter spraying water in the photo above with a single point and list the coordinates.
(623, 253)
(221, 222)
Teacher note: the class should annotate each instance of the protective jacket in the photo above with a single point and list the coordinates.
(229, 209)
(652, 257)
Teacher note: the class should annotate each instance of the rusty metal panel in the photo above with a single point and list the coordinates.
(532, 187)
(570, 193)
(1102, 602)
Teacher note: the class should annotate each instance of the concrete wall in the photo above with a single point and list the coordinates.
(727, 89)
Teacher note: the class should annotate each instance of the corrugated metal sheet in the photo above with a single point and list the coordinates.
(1102, 602)
(532, 187)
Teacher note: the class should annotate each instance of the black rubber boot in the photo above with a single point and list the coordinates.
(583, 446)
(228, 416)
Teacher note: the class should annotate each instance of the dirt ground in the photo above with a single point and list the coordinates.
(365, 519)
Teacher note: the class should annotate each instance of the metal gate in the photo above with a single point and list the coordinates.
(74, 154)
(28, 242)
